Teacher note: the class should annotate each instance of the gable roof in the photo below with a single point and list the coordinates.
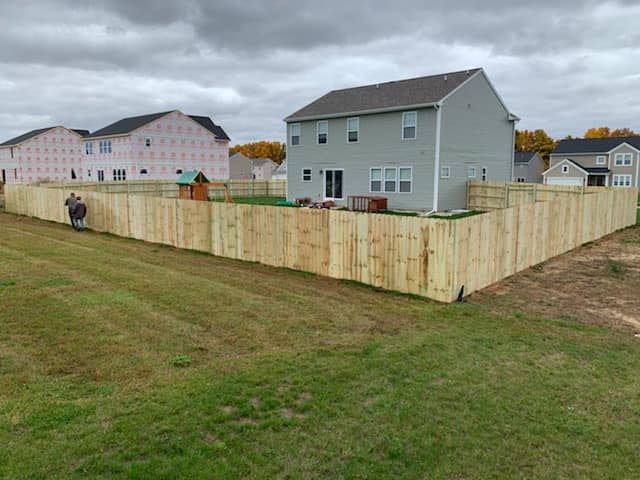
(587, 170)
(207, 123)
(523, 157)
(33, 133)
(25, 136)
(594, 145)
(259, 162)
(403, 93)
(128, 125)
(192, 176)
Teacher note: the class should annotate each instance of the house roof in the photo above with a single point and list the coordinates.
(33, 133)
(589, 169)
(127, 125)
(192, 176)
(523, 157)
(402, 93)
(259, 162)
(594, 145)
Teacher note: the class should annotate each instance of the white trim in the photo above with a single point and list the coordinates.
(441, 101)
(358, 130)
(637, 169)
(615, 160)
(442, 175)
(371, 180)
(624, 143)
(570, 163)
(384, 179)
(324, 183)
(410, 180)
(484, 174)
(565, 169)
(619, 176)
(475, 172)
(310, 174)
(603, 157)
(357, 113)
(291, 135)
(436, 159)
(318, 132)
(415, 127)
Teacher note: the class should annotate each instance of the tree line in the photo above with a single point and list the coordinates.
(263, 149)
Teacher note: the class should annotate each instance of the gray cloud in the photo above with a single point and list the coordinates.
(562, 66)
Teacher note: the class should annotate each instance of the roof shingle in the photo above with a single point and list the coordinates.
(402, 93)
(593, 145)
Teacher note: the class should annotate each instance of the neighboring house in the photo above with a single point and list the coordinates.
(52, 153)
(263, 168)
(240, 167)
(595, 162)
(157, 146)
(416, 142)
(528, 167)
(281, 172)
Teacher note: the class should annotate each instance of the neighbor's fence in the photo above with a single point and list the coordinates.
(169, 189)
(434, 258)
(498, 195)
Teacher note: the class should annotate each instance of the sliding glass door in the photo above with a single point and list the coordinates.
(333, 184)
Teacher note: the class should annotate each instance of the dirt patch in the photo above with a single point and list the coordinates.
(597, 284)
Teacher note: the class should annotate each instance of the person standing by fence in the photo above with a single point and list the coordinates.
(70, 203)
(79, 213)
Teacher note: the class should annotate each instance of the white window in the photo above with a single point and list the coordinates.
(622, 180)
(471, 172)
(390, 175)
(409, 124)
(375, 179)
(101, 175)
(565, 168)
(445, 172)
(306, 174)
(405, 179)
(88, 148)
(295, 134)
(353, 130)
(88, 172)
(484, 174)
(105, 146)
(322, 128)
(601, 160)
(147, 142)
(623, 160)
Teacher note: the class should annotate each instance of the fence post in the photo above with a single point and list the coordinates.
(506, 196)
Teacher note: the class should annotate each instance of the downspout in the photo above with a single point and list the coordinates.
(513, 149)
(436, 158)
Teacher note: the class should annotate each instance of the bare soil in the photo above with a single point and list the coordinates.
(598, 284)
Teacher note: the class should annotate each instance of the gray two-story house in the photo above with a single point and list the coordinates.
(416, 142)
(595, 162)
(528, 167)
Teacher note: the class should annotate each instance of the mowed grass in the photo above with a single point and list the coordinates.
(253, 200)
(289, 375)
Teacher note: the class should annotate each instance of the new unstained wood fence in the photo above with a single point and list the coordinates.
(434, 258)
(168, 188)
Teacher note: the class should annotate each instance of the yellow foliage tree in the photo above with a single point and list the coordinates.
(535, 141)
(262, 149)
(606, 132)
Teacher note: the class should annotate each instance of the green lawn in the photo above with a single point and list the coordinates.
(120, 359)
(253, 200)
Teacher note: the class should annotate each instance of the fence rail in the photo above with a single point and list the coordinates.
(434, 258)
(499, 195)
(169, 189)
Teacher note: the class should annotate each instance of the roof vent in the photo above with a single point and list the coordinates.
(445, 78)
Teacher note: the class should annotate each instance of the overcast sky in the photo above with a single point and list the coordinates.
(559, 65)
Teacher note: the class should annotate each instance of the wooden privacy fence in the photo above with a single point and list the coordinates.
(434, 258)
(168, 188)
(497, 195)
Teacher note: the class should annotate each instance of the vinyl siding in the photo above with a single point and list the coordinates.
(573, 172)
(530, 171)
(380, 145)
(476, 132)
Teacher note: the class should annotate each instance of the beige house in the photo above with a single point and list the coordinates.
(595, 162)
(240, 167)
(263, 168)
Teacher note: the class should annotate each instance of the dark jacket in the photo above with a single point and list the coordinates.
(81, 210)
(71, 203)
